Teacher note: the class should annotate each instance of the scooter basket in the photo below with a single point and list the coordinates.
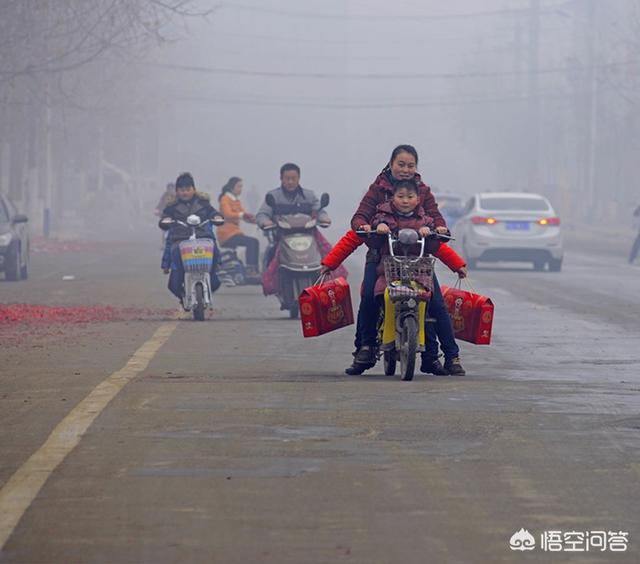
(409, 276)
(197, 256)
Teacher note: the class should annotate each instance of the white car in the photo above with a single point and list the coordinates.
(510, 226)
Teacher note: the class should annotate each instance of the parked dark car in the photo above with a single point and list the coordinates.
(14, 241)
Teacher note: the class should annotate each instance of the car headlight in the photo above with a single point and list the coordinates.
(5, 239)
(299, 243)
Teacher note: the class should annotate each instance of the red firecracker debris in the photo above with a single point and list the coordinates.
(11, 314)
(41, 245)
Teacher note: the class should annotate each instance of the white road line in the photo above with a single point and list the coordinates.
(22, 488)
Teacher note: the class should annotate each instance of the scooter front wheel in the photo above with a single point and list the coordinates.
(408, 348)
(198, 310)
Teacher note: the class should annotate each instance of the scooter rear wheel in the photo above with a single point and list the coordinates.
(408, 348)
(198, 310)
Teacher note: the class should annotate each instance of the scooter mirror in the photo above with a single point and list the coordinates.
(408, 236)
(193, 220)
(271, 201)
(324, 200)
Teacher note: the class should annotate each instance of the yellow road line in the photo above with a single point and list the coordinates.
(22, 488)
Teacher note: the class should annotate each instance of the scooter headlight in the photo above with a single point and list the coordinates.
(5, 239)
(299, 243)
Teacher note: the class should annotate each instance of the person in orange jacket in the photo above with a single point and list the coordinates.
(443, 328)
(230, 235)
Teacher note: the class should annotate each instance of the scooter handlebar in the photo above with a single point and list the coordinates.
(432, 235)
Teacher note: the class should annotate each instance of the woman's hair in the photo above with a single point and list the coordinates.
(185, 180)
(229, 186)
(401, 149)
(406, 184)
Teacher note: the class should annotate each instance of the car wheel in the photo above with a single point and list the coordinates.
(12, 271)
(555, 265)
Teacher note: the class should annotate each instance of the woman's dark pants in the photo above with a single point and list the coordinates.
(250, 243)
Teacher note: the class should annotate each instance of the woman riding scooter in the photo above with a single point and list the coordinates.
(402, 166)
(230, 235)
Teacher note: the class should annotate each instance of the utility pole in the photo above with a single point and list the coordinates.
(591, 112)
(533, 95)
(48, 168)
(518, 55)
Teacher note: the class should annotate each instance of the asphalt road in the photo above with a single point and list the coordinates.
(157, 439)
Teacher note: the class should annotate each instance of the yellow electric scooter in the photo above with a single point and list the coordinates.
(409, 286)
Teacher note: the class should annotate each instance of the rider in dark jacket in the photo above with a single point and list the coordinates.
(187, 202)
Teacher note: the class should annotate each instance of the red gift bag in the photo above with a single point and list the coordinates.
(471, 314)
(325, 306)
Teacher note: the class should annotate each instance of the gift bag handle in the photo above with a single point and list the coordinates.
(458, 284)
(323, 277)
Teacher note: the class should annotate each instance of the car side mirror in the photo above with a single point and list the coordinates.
(20, 218)
(324, 200)
(271, 201)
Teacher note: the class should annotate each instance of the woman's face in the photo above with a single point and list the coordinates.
(403, 167)
(237, 189)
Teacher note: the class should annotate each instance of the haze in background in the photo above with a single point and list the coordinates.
(536, 95)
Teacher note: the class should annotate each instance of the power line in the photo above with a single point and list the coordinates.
(390, 17)
(388, 76)
(444, 102)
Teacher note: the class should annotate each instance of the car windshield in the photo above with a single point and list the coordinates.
(513, 204)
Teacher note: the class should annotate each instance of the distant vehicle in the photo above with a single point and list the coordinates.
(450, 206)
(510, 227)
(14, 241)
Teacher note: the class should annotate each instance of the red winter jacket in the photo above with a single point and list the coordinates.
(350, 242)
(382, 189)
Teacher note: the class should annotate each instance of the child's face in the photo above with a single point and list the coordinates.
(185, 193)
(405, 200)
